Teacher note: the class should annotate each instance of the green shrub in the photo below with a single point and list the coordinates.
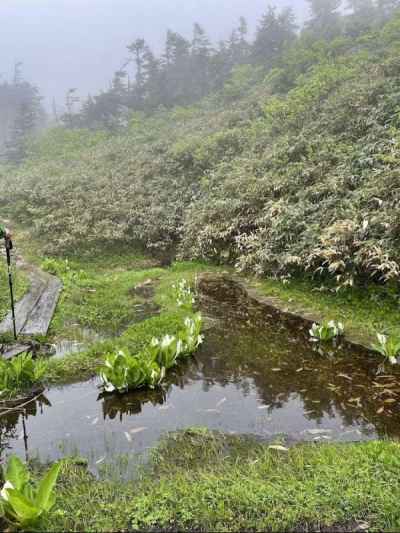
(300, 175)
(25, 502)
(20, 373)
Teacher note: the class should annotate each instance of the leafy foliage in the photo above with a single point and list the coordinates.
(299, 176)
(326, 331)
(389, 347)
(122, 371)
(20, 373)
(23, 501)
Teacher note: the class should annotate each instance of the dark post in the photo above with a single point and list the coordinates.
(9, 246)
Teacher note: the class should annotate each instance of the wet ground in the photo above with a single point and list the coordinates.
(261, 379)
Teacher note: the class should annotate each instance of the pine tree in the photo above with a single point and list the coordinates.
(138, 49)
(386, 9)
(325, 20)
(151, 76)
(362, 18)
(275, 31)
(200, 63)
(25, 123)
(71, 118)
(175, 75)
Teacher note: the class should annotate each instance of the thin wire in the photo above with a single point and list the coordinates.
(19, 407)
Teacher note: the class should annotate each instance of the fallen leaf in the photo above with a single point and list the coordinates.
(380, 410)
(278, 447)
(221, 402)
(136, 430)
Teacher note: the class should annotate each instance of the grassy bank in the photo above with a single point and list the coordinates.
(364, 310)
(21, 284)
(209, 482)
(100, 306)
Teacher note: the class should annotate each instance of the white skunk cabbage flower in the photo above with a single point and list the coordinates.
(166, 342)
(4, 490)
(180, 347)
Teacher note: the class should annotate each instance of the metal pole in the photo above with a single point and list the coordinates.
(9, 246)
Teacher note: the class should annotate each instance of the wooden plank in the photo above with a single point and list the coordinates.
(35, 310)
(25, 306)
(38, 321)
(13, 351)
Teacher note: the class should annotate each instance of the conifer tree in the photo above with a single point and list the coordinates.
(200, 63)
(25, 123)
(275, 31)
(325, 22)
(362, 18)
(386, 9)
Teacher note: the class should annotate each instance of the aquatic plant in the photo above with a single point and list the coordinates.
(122, 372)
(25, 502)
(184, 295)
(389, 347)
(20, 373)
(326, 331)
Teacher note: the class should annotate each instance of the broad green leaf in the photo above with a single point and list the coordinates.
(17, 473)
(25, 511)
(46, 486)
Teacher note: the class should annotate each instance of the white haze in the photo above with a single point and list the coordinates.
(80, 43)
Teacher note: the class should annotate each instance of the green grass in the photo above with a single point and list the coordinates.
(21, 284)
(84, 365)
(114, 295)
(363, 310)
(210, 482)
(98, 296)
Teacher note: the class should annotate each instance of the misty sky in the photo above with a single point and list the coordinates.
(80, 43)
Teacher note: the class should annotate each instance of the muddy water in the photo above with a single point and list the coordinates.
(246, 379)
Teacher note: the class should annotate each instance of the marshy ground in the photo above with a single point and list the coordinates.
(260, 430)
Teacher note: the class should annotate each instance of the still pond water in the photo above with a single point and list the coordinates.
(246, 379)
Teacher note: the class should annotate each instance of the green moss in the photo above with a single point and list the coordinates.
(210, 482)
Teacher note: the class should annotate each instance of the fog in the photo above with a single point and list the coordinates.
(80, 43)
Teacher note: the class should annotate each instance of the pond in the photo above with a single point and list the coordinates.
(253, 375)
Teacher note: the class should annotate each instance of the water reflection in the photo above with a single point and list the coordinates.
(116, 406)
(245, 379)
(14, 417)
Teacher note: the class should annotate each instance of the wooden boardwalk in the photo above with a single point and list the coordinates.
(35, 310)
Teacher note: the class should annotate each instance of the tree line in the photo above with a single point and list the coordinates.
(186, 71)
(190, 69)
(21, 115)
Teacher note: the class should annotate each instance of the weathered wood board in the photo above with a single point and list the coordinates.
(35, 310)
(14, 350)
(39, 319)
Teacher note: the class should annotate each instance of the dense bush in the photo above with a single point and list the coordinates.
(299, 174)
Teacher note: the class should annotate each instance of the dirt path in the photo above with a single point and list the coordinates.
(35, 310)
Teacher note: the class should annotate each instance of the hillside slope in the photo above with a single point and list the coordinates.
(296, 172)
